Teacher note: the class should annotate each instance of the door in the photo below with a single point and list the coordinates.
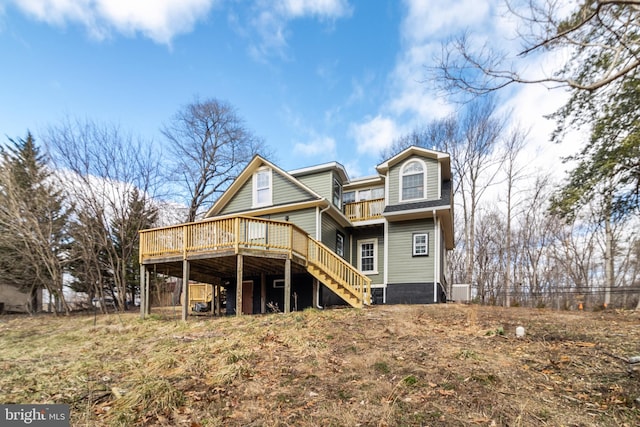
(247, 297)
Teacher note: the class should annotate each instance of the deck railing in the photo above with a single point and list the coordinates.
(232, 234)
(222, 235)
(364, 210)
(339, 270)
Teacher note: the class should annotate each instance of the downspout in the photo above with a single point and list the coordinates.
(435, 258)
(319, 238)
(319, 224)
(318, 306)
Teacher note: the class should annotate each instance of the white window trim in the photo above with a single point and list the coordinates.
(413, 244)
(269, 201)
(339, 236)
(333, 194)
(375, 255)
(424, 180)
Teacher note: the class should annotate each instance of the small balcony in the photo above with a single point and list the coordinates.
(364, 210)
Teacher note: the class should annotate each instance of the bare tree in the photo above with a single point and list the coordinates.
(112, 178)
(601, 76)
(514, 172)
(592, 30)
(210, 145)
(475, 166)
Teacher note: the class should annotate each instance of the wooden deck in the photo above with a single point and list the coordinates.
(212, 249)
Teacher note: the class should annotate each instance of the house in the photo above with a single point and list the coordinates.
(13, 299)
(315, 237)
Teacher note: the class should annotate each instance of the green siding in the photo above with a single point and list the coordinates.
(283, 191)
(370, 233)
(433, 181)
(329, 229)
(304, 218)
(320, 182)
(403, 266)
(242, 200)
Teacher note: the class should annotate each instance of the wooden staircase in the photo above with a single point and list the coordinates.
(338, 275)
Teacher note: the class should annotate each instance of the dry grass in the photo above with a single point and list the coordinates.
(391, 365)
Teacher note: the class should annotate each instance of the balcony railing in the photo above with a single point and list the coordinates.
(364, 210)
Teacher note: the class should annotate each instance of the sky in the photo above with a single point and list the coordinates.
(318, 80)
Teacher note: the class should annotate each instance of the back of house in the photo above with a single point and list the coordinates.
(385, 236)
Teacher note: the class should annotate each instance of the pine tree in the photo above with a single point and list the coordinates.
(33, 221)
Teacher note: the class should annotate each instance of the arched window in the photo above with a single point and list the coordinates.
(412, 180)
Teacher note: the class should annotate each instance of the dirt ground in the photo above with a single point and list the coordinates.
(435, 365)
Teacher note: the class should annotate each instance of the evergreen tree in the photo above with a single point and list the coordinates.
(33, 221)
(139, 215)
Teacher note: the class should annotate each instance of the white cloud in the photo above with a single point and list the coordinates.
(374, 135)
(270, 19)
(159, 20)
(324, 147)
(318, 8)
(162, 20)
(427, 19)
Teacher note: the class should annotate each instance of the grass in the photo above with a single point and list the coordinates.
(391, 365)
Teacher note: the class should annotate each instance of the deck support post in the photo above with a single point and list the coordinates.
(147, 292)
(185, 289)
(218, 299)
(287, 285)
(263, 293)
(314, 291)
(239, 268)
(143, 291)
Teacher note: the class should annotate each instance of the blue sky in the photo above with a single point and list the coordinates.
(319, 80)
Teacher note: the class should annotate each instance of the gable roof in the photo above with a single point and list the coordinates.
(440, 156)
(246, 174)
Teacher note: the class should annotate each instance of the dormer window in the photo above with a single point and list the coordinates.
(412, 180)
(262, 194)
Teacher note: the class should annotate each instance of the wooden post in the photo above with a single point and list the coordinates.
(287, 285)
(218, 299)
(314, 290)
(143, 296)
(236, 231)
(147, 304)
(214, 288)
(263, 293)
(239, 285)
(185, 289)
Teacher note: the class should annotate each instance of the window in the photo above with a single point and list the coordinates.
(256, 231)
(278, 284)
(337, 193)
(262, 187)
(368, 256)
(421, 244)
(339, 243)
(377, 193)
(364, 195)
(412, 180)
(349, 197)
